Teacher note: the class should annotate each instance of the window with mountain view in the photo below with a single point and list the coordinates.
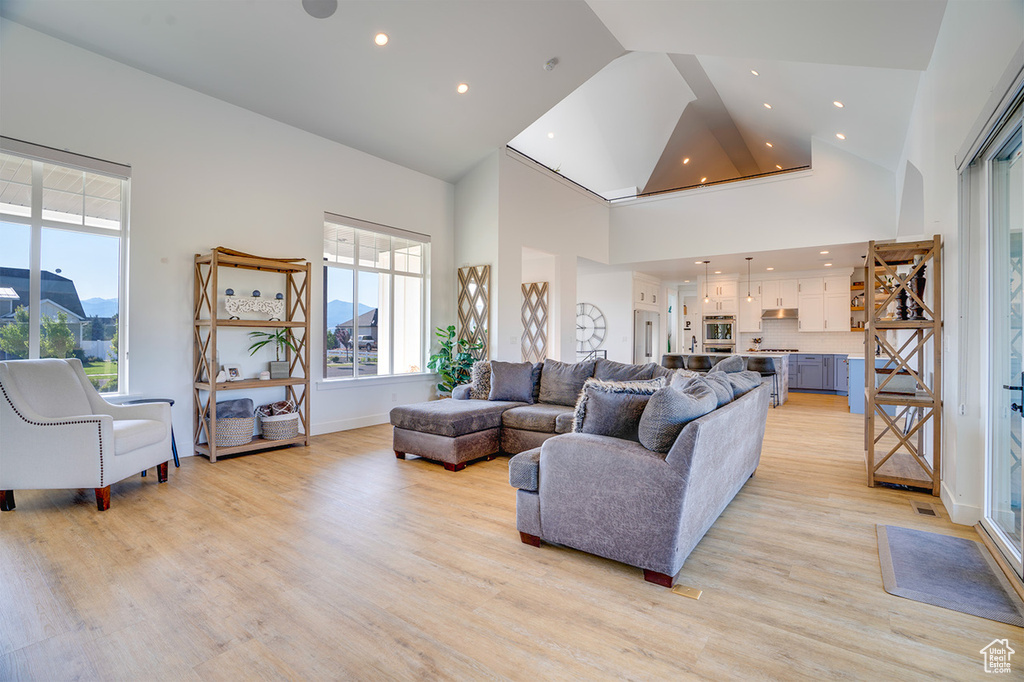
(375, 287)
(62, 223)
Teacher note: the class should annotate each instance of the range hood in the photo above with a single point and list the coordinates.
(780, 314)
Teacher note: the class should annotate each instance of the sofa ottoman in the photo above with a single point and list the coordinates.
(452, 432)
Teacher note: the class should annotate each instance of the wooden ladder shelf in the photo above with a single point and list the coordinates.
(903, 415)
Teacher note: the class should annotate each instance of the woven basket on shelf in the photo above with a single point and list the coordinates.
(280, 427)
(233, 431)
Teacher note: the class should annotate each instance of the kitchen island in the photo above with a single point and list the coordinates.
(781, 361)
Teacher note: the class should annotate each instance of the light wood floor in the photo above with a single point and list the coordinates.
(338, 561)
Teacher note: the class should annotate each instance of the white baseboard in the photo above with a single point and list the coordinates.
(965, 514)
(346, 424)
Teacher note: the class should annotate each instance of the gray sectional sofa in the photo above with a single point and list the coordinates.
(630, 462)
(473, 426)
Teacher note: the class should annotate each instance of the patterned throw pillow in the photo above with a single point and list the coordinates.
(672, 408)
(613, 408)
(480, 380)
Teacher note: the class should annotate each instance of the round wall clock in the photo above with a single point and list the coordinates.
(590, 327)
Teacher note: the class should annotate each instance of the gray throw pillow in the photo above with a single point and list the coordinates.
(511, 381)
(720, 384)
(561, 382)
(672, 408)
(742, 382)
(537, 369)
(609, 370)
(733, 363)
(671, 374)
(613, 408)
(480, 380)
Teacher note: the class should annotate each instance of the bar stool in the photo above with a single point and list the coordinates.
(169, 401)
(766, 368)
(670, 361)
(698, 363)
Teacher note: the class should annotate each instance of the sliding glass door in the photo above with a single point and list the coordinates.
(1005, 476)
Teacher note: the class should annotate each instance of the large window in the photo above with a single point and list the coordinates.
(375, 292)
(63, 220)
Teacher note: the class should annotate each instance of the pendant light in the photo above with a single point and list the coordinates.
(707, 299)
(750, 299)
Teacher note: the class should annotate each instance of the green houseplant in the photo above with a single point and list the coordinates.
(282, 340)
(453, 360)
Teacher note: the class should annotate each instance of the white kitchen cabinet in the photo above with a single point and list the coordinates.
(646, 293)
(750, 313)
(811, 286)
(836, 285)
(780, 293)
(811, 312)
(723, 295)
(837, 312)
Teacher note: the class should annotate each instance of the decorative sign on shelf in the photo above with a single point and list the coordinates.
(236, 305)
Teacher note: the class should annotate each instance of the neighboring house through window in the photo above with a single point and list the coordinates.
(375, 292)
(63, 223)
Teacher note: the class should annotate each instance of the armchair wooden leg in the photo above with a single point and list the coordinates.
(399, 455)
(658, 578)
(454, 467)
(529, 539)
(103, 498)
(6, 500)
(161, 473)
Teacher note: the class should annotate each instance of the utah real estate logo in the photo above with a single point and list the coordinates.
(997, 656)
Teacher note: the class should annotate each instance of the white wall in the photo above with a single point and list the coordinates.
(476, 229)
(975, 45)
(843, 199)
(206, 174)
(539, 210)
(612, 292)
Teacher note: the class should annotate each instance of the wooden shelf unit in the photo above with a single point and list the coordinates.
(903, 430)
(206, 323)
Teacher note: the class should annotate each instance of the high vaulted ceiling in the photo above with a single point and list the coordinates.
(867, 55)
(619, 120)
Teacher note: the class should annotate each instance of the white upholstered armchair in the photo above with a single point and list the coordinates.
(57, 432)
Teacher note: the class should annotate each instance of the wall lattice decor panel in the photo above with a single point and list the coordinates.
(535, 321)
(475, 307)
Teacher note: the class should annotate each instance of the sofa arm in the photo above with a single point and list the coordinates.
(461, 392)
(609, 497)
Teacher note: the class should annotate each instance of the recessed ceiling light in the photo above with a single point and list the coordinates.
(686, 281)
(754, 72)
(551, 136)
(828, 265)
(838, 104)
(698, 262)
(462, 89)
(778, 166)
(767, 106)
(686, 160)
(718, 272)
(841, 136)
(703, 180)
(769, 268)
(381, 39)
(768, 144)
(823, 253)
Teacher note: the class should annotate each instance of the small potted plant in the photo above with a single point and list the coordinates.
(452, 364)
(282, 340)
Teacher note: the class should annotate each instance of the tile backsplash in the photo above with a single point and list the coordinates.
(784, 334)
